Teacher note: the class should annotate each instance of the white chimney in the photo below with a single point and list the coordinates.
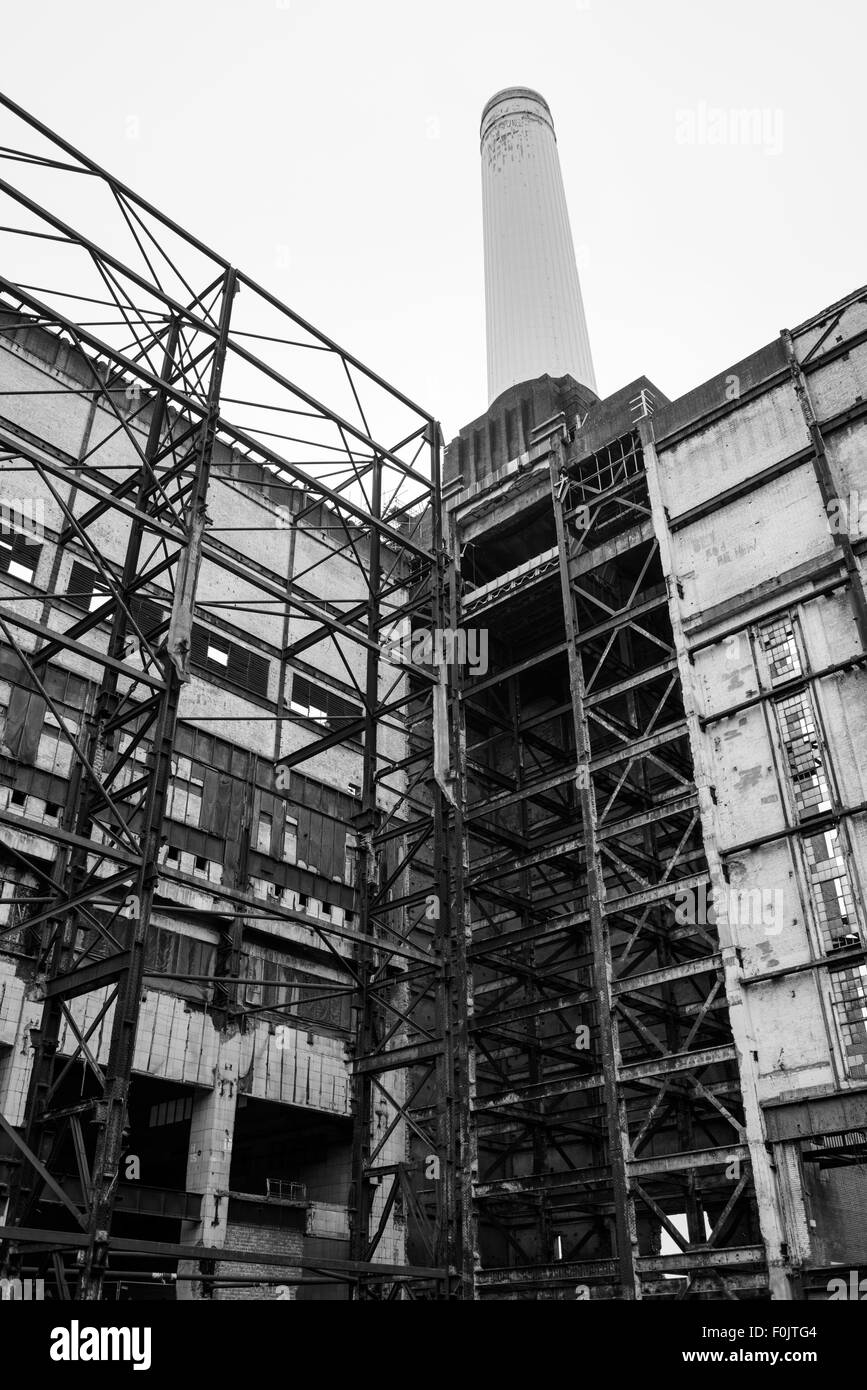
(533, 306)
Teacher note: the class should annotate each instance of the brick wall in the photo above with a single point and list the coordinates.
(284, 1239)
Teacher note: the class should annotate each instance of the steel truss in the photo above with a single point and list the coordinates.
(194, 363)
(606, 1104)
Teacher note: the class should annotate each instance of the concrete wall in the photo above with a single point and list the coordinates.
(777, 694)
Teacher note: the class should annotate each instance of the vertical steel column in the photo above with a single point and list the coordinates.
(360, 1203)
(110, 1137)
(462, 984)
(618, 1136)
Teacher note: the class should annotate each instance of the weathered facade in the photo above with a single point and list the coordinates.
(331, 969)
(258, 1102)
(664, 808)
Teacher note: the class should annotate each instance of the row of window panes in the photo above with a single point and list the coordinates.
(778, 640)
(264, 833)
(832, 895)
(806, 764)
(833, 898)
(849, 1000)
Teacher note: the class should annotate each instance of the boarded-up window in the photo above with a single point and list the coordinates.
(24, 720)
(321, 843)
(169, 951)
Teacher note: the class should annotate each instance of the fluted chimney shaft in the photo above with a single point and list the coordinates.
(534, 310)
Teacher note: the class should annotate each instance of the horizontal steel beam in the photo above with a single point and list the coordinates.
(123, 1245)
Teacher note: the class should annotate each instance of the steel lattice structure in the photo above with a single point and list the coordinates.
(606, 1086)
(539, 998)
(183, 350)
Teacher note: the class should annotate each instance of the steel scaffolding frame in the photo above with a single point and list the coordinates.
(606, 1105)
(207, 360)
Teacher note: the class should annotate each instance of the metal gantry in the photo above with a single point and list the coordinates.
(196, 368)
(607, 1116)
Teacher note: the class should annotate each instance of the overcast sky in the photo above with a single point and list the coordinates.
(330, 148)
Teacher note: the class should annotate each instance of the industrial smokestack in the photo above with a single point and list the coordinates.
(533, 307)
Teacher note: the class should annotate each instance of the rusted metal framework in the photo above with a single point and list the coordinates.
(608, 1126)
(192, 363)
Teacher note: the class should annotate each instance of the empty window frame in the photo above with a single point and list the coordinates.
(15, 910)
(134, 766)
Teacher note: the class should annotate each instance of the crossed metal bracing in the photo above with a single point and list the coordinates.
(606, 1107)
(172, 365)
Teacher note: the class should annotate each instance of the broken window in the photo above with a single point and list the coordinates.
(234, 663)
(217, 654)
(778, 640)
(832, 896)
(849, 999)
(806, 763)
(54, 754)
(185, 797)
(290, 841)
(350, 860)
(274, 982)
(18, 556)
(15, 910)
(86, 591)
(171, 952)
(324, 706)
